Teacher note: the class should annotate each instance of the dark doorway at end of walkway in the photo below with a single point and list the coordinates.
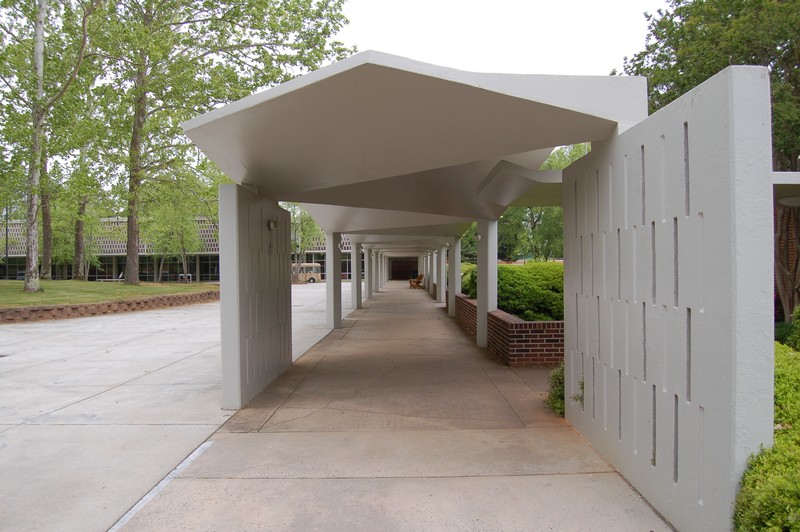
(402, 268)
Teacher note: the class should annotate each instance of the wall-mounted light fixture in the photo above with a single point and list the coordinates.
(791, 201)
(272, 224)
(477, 237)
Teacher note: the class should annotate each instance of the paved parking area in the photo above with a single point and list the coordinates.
(95, 411)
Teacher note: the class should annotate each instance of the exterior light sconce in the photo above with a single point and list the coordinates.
(272, 224)
(791, 201)
(477, 237)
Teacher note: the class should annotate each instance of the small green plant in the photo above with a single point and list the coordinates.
(555, 394)
(578, 397)
(769, 496)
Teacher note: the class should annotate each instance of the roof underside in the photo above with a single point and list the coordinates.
(403, 155)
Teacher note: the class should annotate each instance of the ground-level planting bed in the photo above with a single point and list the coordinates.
(74, 299)
(769, 497)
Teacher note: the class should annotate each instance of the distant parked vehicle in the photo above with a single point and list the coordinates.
(309, 272)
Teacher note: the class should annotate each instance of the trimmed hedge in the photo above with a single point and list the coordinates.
(532, 292)
(769, 496)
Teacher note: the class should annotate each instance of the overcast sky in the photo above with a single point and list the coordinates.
(515, 36)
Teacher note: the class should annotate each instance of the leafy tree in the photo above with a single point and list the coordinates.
(36, 78)
(511, 234)
(305, 233)
(173, 60)
(691, 40)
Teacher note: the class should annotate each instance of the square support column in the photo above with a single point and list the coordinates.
(441, 286)
(487, 278)
(376, 282)
(367, 273)
(355, 280)
(333, 280)
(454, 282)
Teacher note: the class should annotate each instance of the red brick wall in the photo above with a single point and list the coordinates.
(467, 314)
(515, 342)
(519, 343)
(57, 312)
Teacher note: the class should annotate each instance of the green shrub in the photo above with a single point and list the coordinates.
(782, 331)
(555, 394)
(769, 496)
(533, 292)
(793, 340)
(469, 280)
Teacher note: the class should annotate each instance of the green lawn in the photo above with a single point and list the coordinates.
(62, 292)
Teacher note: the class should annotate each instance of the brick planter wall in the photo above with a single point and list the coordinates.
(515, 342)
(57, 312)
(467, 314)
(519, 343)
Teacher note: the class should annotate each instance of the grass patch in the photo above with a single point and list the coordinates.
(73, 292)
(769, 497)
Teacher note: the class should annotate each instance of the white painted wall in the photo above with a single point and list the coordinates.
(255, 284)
(668, 297)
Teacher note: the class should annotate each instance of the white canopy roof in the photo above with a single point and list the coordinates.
(402, 154)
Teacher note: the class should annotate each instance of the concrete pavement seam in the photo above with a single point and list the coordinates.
(158, 488)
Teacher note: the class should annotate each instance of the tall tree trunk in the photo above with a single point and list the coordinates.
(787, 267)
(38, 113)
(79, 265)
(136, 173)
(47, 224)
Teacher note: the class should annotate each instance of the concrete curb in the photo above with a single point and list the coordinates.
(60, 312)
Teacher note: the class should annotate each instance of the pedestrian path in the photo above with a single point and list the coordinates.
(397, 422)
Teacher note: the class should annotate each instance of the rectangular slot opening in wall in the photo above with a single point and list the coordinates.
(675, 440)
(580, 243)
(653, 456)
(597, 198)
(689, 355)
(591, 259)
(619, 404)
(644, 341)
(625, 205)
(675, 260)
(594, 385)
(598, 326)
(575, 206)
(653, 261)
(619, 266)
(687, 190)
(643, 188)
(582, 382)
(700, 451)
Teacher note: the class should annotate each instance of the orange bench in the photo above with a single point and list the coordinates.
(416, 283)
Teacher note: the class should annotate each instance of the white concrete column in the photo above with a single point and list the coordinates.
(487, 278)
(432, 266)
(333, 280)
(454, 283)
(355, 269)
(376, 281)
(442, 274)
(367, 273)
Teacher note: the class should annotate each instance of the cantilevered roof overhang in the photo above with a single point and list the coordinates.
(390, 150)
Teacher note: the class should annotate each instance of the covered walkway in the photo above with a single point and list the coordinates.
(398, 422)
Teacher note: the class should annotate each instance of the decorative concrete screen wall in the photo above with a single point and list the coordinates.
(255, 293)
(668, 297)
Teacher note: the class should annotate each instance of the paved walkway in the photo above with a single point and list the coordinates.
(94, 412)
(397, 422)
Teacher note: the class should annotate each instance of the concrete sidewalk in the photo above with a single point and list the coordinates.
(397, 422)
(95, 412)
